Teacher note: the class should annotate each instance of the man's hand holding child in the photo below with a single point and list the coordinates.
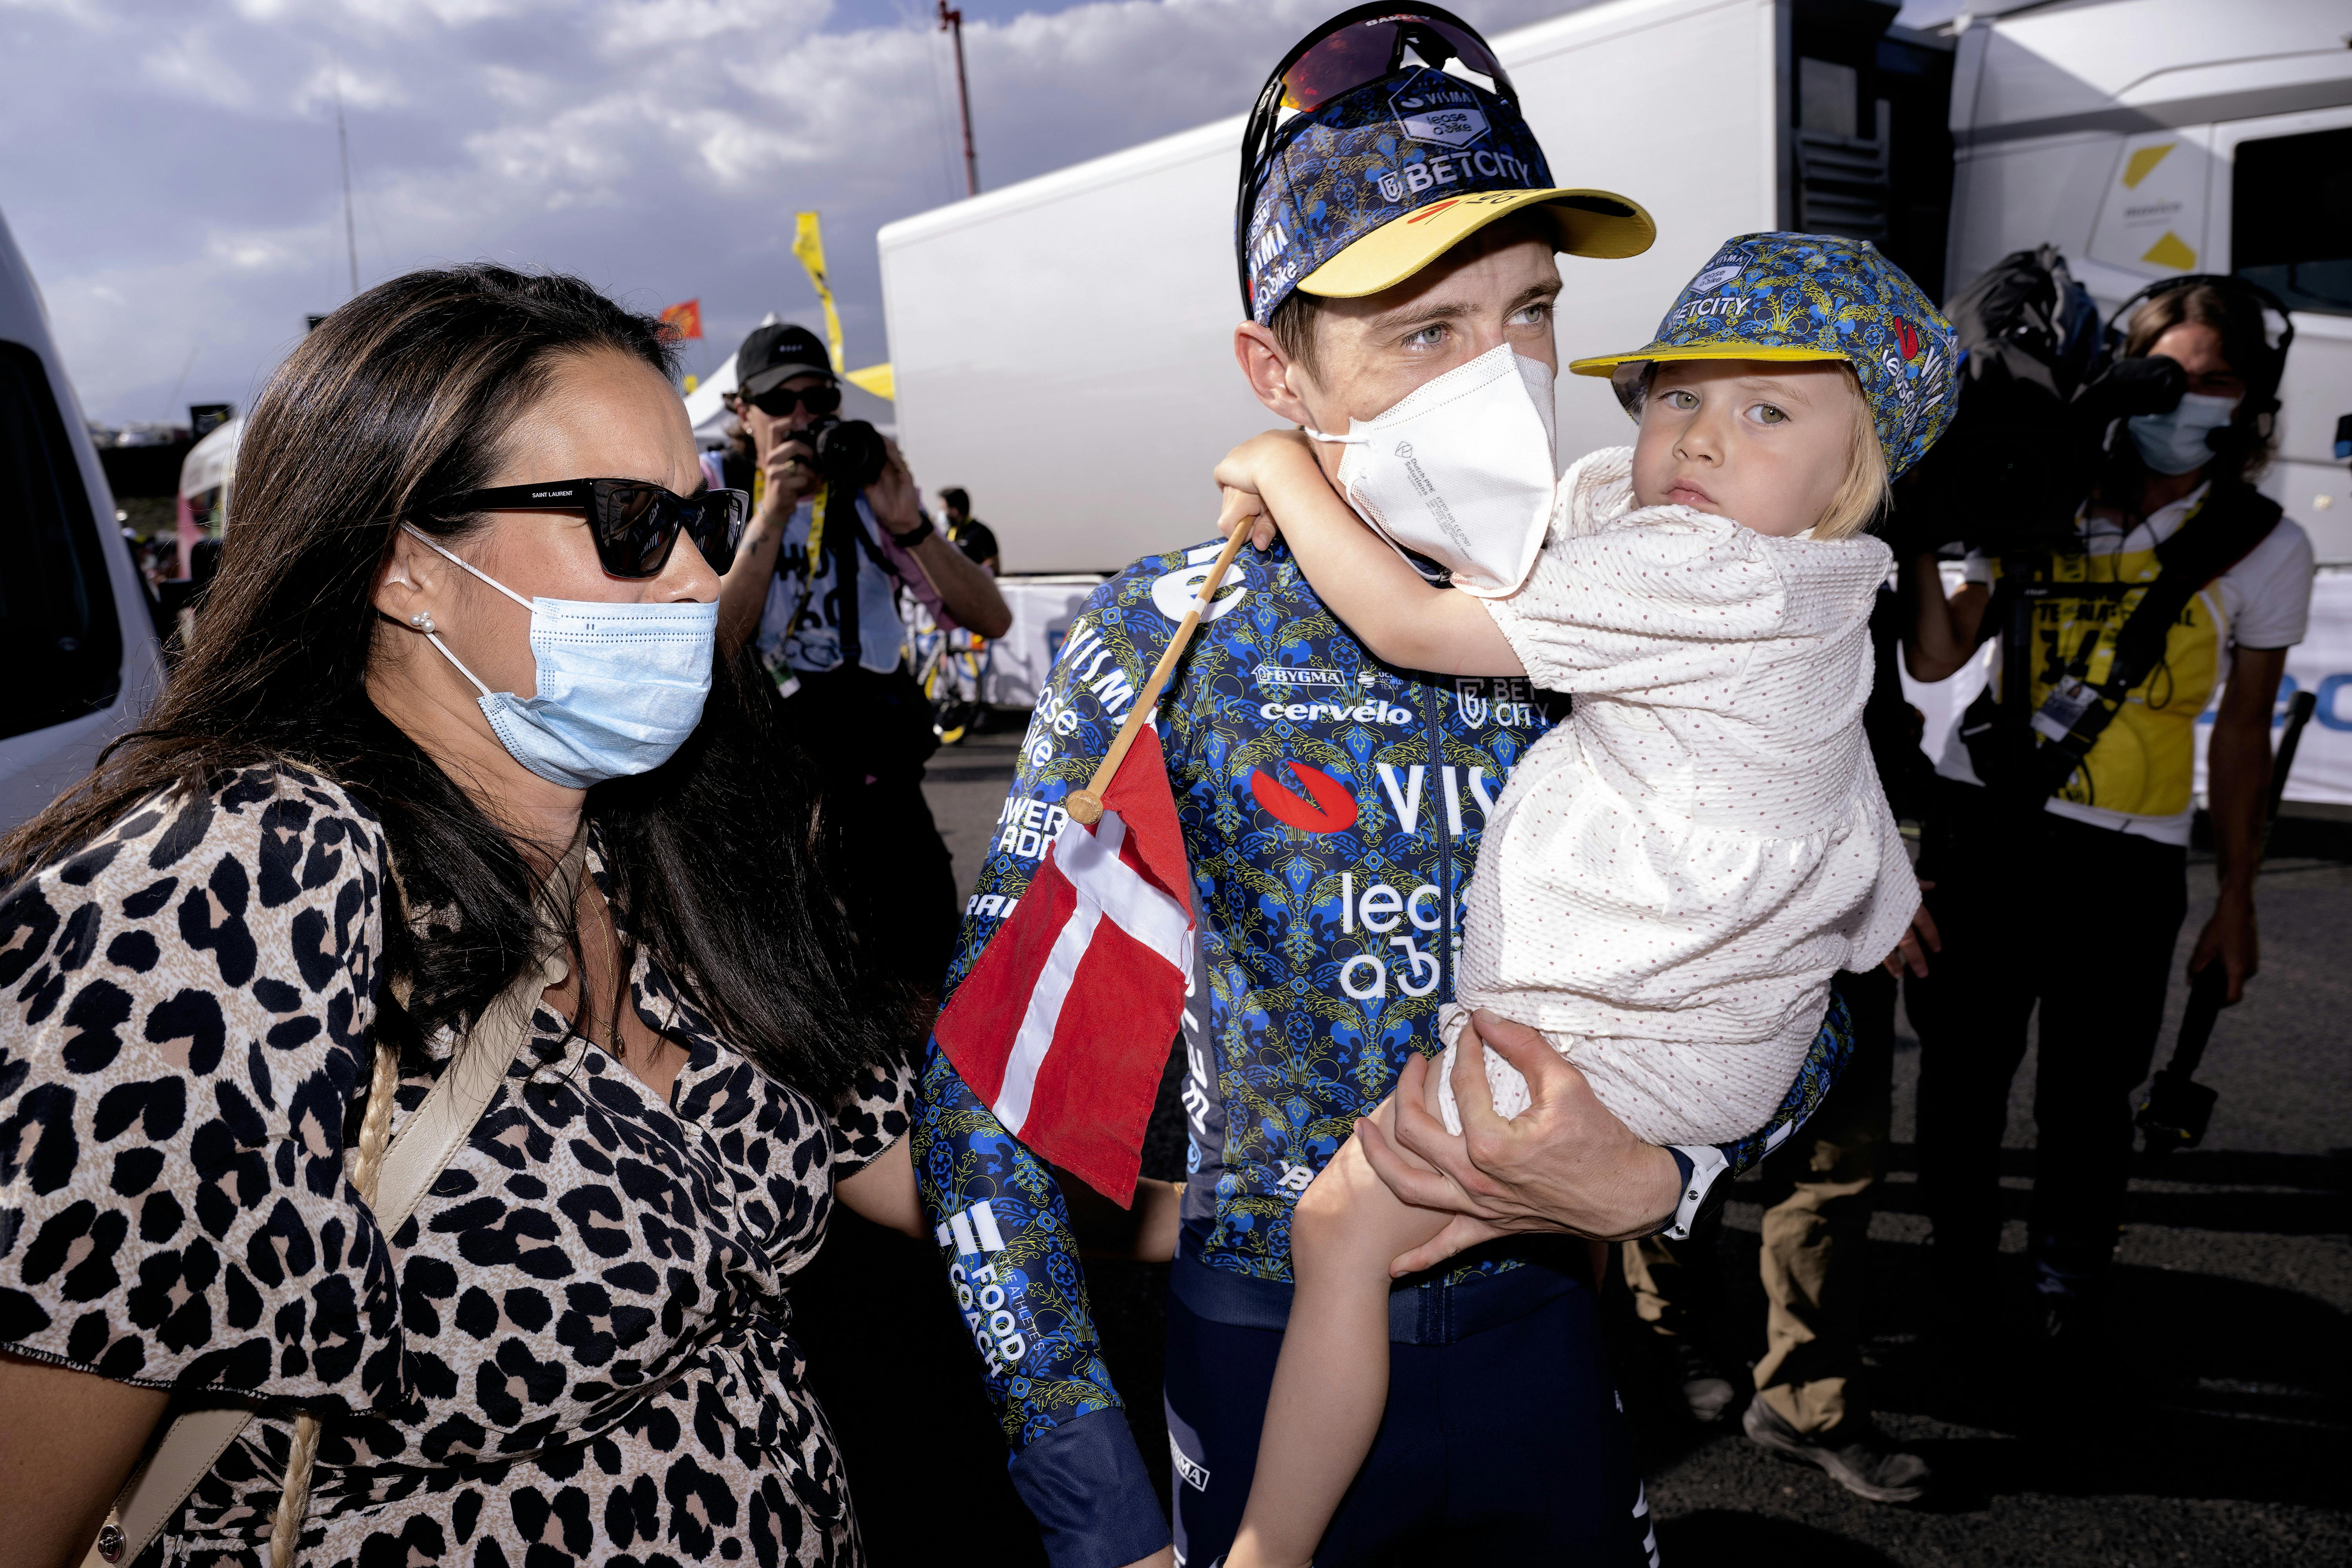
(1564, 1163)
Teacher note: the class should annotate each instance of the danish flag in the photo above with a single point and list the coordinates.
(1064, 1023)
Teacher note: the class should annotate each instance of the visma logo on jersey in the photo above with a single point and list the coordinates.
(1328, 805)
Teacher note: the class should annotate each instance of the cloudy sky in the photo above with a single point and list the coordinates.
(169, 167)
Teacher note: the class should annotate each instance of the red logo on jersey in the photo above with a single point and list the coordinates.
(1328, 808)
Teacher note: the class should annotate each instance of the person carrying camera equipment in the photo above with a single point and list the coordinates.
(835, 529)
(971, 536)
(2125, 568)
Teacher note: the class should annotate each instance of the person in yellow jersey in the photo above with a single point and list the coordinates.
(2061, 881)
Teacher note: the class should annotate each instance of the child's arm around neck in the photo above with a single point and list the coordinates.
(1402, 619)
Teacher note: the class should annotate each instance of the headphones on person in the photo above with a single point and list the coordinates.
(2262, 380)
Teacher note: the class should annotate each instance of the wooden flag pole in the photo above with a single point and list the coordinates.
(1086, 806)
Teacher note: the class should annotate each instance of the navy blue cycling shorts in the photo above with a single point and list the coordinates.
(1506, 1446)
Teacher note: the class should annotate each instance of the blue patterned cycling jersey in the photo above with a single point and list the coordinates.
(1331, 807)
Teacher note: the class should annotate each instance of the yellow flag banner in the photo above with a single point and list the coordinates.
(808, 245)
(876, 379)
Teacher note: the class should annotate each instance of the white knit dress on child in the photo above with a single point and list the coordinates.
(1672, 876)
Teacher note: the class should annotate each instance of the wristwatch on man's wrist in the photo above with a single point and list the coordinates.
(1699, 1168)
(916, 534)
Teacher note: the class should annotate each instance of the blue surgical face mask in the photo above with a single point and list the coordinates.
(620, 686)
(2175, 443)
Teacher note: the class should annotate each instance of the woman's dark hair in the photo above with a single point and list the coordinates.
(405, 396)
(2242, 450)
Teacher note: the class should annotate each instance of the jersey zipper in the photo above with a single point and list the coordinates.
(1442, 820)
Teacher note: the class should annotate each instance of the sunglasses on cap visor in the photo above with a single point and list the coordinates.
(778, 402)
(1353, 49)
(635, 525)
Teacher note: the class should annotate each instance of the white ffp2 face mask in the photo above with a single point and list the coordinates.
(1461, 470)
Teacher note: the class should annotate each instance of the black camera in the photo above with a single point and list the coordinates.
(848, 451)
(2038, 398)
(2020, 458)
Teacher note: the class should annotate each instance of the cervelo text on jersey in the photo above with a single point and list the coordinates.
(1330, 853)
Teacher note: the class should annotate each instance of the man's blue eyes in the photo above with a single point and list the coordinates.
(1532, 315)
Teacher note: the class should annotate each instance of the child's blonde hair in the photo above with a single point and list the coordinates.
(1866, 491)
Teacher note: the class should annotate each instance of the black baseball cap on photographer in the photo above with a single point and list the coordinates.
(774, 353)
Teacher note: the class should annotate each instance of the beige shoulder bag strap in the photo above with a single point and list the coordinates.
(196, 1439)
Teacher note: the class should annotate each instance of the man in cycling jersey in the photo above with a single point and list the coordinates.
(1332, 808)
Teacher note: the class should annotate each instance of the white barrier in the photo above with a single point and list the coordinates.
(2321, 663)
(1042, 609)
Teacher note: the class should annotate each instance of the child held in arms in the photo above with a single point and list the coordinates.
(1675, 874)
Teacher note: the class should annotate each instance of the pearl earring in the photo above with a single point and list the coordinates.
(421, 622)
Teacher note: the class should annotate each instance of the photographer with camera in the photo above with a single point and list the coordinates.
(2067, 789)
(835, 530)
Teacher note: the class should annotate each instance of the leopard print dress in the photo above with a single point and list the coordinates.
(578, 1349)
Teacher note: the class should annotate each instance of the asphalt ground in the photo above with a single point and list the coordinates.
(2218, 1431)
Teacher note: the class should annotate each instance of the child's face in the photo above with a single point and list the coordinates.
(1763, 442)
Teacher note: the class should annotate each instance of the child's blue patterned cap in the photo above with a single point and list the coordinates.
(1364, 191)
(1817, 296)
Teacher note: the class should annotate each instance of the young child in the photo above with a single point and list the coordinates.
(1673, 875)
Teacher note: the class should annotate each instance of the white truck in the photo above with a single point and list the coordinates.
(76, 637)
(1063, 346)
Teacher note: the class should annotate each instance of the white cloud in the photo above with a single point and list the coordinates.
(657, 147)
(359, 89)
(191, 66)
(409, 17)
(88, 12)
(252, 252)
(630, 25)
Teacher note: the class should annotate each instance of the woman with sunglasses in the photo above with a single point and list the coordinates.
(451, 711)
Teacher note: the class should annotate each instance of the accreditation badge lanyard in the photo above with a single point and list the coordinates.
(819, 504)
(2072, 695)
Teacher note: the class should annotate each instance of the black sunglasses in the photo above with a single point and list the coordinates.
(635, 525)
(778, 402)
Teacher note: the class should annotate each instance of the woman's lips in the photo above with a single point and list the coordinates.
(1685, 493)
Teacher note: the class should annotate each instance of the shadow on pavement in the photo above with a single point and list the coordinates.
(2281, 1194)
(2204, 1387)
(1759, 1541)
